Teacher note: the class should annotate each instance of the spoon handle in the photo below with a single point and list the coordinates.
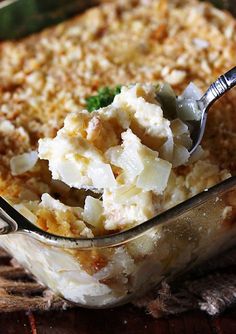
(224, 83)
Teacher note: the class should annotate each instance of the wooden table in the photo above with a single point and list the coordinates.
(126, 319)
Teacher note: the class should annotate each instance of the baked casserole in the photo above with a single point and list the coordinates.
(86, 174)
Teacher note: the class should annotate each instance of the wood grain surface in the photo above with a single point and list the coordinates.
(126, 319)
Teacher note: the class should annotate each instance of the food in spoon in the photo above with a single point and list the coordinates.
(129, 152)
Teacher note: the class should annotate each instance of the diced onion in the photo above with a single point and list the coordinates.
(155, 176)
(113, 154)
(101, 175)
(166, 150)
(178, 127)
(188, 110)
(126, 194)
(20, 164)
(184, 140)
(181, 155)
(167, 98)
(198, 154)
(191, 92)
(126, 158)
(71, 173)
(50, 203)
(187, 106)
(131, 162)
(92, 210)
(129, 156)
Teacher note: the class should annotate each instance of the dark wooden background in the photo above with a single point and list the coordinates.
(122, 320)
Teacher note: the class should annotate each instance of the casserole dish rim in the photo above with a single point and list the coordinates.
(122, 237)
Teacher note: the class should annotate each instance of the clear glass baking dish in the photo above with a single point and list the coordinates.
(112, 270)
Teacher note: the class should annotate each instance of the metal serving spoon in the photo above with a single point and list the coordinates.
(12, 221)
(218, 88)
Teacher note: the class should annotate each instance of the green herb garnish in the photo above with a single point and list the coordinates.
(104, 97)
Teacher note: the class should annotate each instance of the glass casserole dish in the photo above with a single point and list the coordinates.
(111, 270)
